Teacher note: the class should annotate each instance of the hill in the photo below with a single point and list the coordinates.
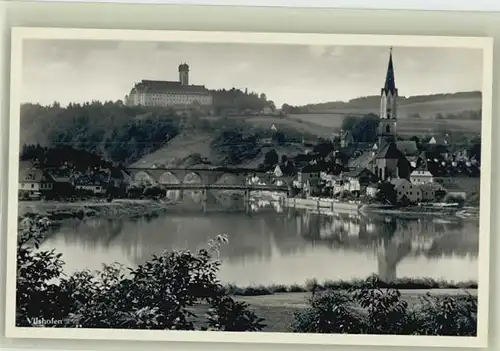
(145, 136)
(426, 114)
(427, 106)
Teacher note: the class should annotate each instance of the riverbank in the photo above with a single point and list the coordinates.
(57, 211)
(330, 206)
(404, 283)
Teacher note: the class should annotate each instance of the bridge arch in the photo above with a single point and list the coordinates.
(229, 198)
(229, 179)
(193, 177)
(144, 178)
(169, 178)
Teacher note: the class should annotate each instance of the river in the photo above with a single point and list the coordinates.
(272, 245)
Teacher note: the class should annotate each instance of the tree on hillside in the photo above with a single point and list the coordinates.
(324, 148)
(279, 137)
(349, 122)
(475, 149)
(235, 146)
(271, 158)
(120, 133)
(366, 129)
(237, 101)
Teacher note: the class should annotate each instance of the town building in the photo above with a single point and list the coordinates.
(405, 189)
(422, 175)
(179, 95)
(428, 192)
(357, 179)
(33, 182)
(372, 189)
(390, 163)
(438, 140)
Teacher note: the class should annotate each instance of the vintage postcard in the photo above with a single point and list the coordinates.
(249, 187)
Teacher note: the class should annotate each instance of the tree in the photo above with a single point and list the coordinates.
(366, 129)
(279, 137)
(349, 122)
(324, 148)
(386, 193)
(271, 158)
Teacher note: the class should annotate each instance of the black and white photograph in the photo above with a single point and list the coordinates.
(249, 186)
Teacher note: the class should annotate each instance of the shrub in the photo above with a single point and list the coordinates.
(448, 316)
(228, 315)
(159, 294)
(371, 308)
(329, 312)
(387, 313)
(37, 294)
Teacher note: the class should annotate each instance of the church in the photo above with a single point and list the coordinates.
(175, 94)
(389, 157)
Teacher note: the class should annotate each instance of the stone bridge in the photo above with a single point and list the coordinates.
(191, 176)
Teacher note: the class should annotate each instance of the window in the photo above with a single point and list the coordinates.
(387, 127)
(32, 186)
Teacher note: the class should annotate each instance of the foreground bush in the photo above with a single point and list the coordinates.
(159, 294)
(371, 309)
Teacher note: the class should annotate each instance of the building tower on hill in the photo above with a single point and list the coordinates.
(184, 74)
(179, 95)
(388, 107)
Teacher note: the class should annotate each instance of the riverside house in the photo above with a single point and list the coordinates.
(357, 180)
(33, 183)
(406, 189)
(90, 184)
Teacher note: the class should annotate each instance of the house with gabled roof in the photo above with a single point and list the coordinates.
(438, 140)
(357, 179)
(422, 175)
(33, 182)
(346, 138)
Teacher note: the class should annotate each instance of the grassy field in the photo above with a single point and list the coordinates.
(278, 310)
(178, 149)
(427, 107)
(404, 126)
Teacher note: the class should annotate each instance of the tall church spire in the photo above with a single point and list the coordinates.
(388, 106)
(390, 83)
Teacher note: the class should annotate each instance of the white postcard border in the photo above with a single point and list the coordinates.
(483, 43)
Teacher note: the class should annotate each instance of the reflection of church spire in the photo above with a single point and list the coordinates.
(391, 251)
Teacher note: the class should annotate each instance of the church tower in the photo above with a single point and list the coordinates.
(184, 74)
(388, 107)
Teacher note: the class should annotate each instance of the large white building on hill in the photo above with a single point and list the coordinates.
(176, 94)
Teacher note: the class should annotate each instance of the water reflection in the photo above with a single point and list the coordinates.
(276, 245)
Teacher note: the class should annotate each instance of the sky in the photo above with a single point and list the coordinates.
(85, 70)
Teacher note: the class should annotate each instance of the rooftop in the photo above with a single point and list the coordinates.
(389, 151)
(162, 86)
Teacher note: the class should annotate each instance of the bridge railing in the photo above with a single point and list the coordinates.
(221, 187)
